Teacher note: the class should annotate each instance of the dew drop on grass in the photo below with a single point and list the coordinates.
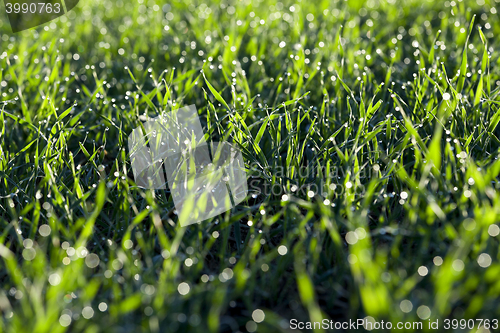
(258, 315)
(351, 238)
(183, 288)
(29, 254)
(92, 260)
(360, 233)
(102, 306)
(352, 259)
(28, 243)
(54, 279)
(484, 260)
(406, 306)
(458, 265)
(493, 230)
(423, 271)
(87, 312)
(44, 230)
(65, 320)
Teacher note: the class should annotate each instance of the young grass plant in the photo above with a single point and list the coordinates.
(370, 134)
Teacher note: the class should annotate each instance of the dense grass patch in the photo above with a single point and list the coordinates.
(370, 133)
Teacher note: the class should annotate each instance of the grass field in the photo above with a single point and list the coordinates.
(369, 130)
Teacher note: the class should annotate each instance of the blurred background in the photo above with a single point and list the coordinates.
(390, 108)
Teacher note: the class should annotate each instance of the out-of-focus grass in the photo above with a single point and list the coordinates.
(390, 107)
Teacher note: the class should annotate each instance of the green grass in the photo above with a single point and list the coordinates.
(394, 104)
